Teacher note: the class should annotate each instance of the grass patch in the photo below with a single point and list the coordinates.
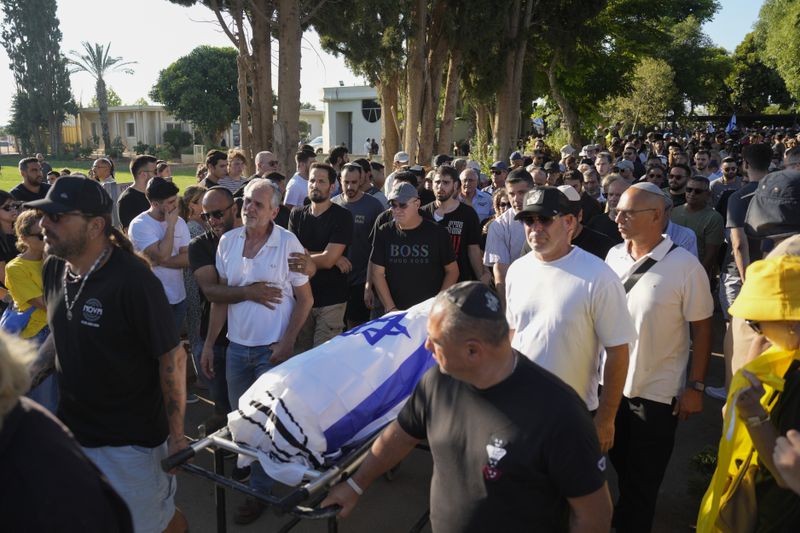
(182, 175)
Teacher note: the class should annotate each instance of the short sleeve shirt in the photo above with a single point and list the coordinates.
(334, 226)
(145, 231)
(250, 323)
(464, 228)
(24, 282)
(505, 458)
(131, 203)
(505, 239)
(706, 224)
(296, 191)
(22, 194)
(414, 260)
(364, 211)
(203, 253)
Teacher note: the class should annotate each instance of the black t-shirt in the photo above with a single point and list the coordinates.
(607, 227)
(593, 242)
(425, 196)
(414, 260)
(779, 509)
(282, 218)
(131, 204)
(505, 458)
(22, 194)
(334, 226)
(203, 252)
(591, 207)
(738, 202)
(208, 183)
(48, 483)
(464, 228)
(8, 248)
(108, 354)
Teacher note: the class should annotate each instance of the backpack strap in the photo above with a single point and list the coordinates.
(634, 278)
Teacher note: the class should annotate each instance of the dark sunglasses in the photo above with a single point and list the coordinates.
(398, 205)
(677, 176)
(497, 172)
(504, 205)
(10, 207)
(695, 190)
(55, 218)
(218, 214)
(544, 221)
(755, 326)
(37, 235)
(652, 175)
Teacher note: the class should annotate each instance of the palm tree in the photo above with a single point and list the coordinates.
(97, 62)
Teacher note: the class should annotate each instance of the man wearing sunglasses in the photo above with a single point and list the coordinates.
(499, 171)
(558, 288)
(677, 177)
(697, 215)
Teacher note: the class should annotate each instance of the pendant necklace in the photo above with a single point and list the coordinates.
(74, 279)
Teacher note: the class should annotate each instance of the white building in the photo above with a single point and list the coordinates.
(352, 115)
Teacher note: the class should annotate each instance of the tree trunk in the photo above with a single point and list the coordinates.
(569, 116)
(287, 126)
(482, 127)
(445, 145)
(390, 135)
(102, 103)
(415, 81)
(506, 126)
(434, 69)
(261, 110)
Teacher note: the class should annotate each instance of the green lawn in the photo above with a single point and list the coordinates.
(182, 175)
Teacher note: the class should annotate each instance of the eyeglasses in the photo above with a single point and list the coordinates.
(218, 214)
(695, 190)
(544, 221)
(55, 218)
(37, 235)
(627, 214)
(398, 205)
(755, 326)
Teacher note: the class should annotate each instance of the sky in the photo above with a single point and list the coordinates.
(155, 33)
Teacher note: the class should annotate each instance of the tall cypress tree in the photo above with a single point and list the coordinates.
(32, 39)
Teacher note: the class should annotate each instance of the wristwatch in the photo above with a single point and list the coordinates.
(697, 385)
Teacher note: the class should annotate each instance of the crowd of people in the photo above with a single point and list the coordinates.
(572, 322)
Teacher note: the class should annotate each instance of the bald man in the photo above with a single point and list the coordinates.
(667, 292)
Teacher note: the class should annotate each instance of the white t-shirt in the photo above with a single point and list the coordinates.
(564, 312)
(250, 323)
(666, 298)
(296, 191)
(143, 231)
(504, 240)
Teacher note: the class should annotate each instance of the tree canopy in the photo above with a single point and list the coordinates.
(201, 88)
(777, 34)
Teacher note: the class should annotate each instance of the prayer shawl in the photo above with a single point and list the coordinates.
(736, 444)
(302, 412)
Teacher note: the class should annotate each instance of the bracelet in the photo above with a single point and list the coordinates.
(756, 421)
(353, 485)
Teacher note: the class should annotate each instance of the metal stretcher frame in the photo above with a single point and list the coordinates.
(311, 492)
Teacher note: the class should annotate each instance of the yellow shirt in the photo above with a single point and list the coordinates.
(24, 282)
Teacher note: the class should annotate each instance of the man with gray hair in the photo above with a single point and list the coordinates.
(476, 408)
(266, 162)
(259, 336)
(667, 293)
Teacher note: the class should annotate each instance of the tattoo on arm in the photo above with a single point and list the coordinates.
(172, 369)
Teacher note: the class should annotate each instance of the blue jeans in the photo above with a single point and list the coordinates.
(46, 392)
(179, 314)
(218, 386)
(243, 366)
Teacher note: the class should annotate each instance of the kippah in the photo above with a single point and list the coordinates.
(647, 186)
(475, 299)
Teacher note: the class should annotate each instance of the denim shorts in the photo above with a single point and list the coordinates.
(135, 473)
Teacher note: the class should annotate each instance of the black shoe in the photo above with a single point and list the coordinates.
(249, 511)
(240, 474)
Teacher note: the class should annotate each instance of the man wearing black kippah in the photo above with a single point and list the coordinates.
(476, 408)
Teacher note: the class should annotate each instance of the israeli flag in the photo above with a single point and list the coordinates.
(731, 124)
(302, 412)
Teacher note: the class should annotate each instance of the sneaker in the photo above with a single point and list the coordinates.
(192, 398)
(240, 474)
(249, 511)
(718, 393)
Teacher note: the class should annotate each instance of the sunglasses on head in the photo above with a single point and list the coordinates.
(533, 219)
(218, 214)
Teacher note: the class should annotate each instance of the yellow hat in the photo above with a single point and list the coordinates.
(771, 290)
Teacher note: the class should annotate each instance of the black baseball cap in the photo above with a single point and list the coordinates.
(74, 193)
(441, 159)
(545, 201)
(774, 211)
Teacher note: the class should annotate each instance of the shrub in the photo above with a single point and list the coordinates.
(178, 138)
(164, 151)
(142, 148)
(117, 147)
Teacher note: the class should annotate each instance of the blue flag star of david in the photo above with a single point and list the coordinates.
(374, 331)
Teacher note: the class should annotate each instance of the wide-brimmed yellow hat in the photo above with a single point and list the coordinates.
(771, 290)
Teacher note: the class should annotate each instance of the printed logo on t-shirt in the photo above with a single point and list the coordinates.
(601, 464)
(92, 312)
(409, 253)
(455, 229)
(496, 451)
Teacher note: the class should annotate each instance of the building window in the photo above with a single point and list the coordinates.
(371, 110)
(130, 129)
(173, 126)
(94, 129)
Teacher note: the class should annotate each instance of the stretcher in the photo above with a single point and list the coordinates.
(311, 421)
